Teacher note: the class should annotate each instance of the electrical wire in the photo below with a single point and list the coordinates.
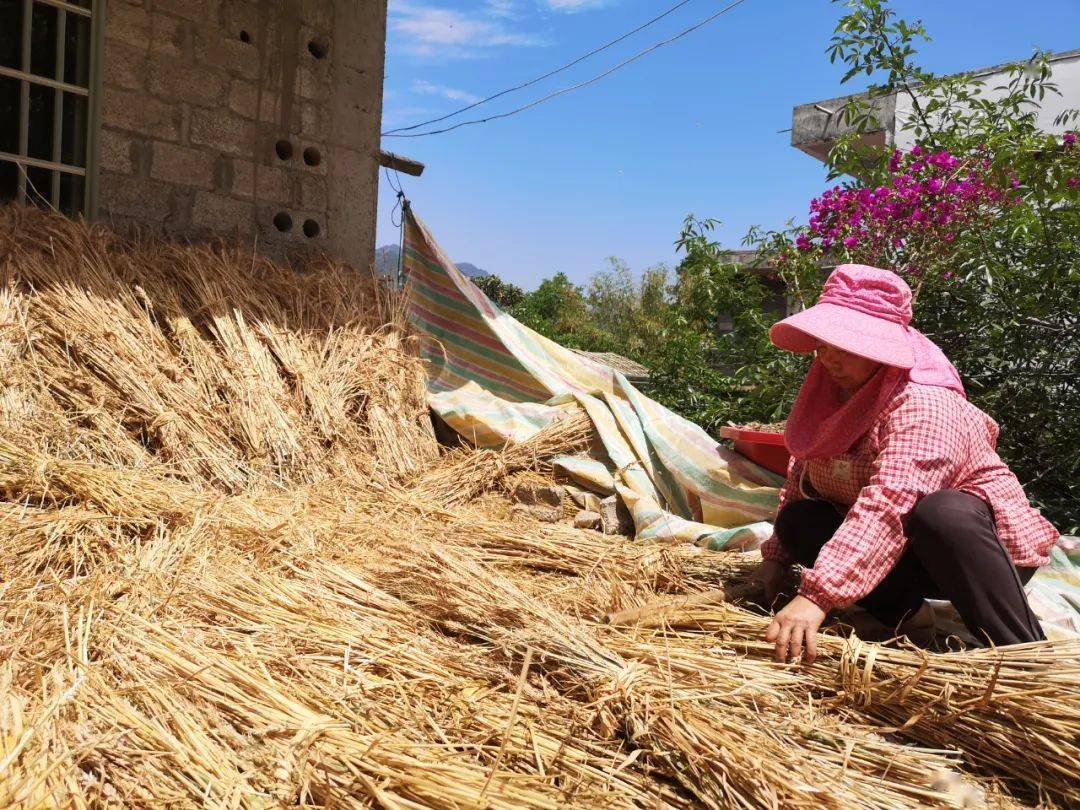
(580, 85)
(547, 75)
(400, 193)
(397, 219)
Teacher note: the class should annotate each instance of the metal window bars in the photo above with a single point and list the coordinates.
(56, 138)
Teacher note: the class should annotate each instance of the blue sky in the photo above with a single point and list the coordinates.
(612, 170)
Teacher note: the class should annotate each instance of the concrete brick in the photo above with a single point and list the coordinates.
(125, 65)
(351, 108)
(312, 83)
(183, 200)
(245, 100)
(116, 152)
(251, 17)
(139, 113)
(313, 121)
(197, 10)
(313, 192)
(325, 152)
(322, 219)
(317, 13)
(127, 23)
(366, 84)
(180, 80)
(169, 35)
(141, 155)
(222, 214)
(223, 131)
(217, 49)
(264, 219)
(182, 165)
(266, 182)
(135, 197)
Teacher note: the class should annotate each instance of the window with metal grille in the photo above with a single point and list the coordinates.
(47, 73)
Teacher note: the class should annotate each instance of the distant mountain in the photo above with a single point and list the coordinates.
(471, 270)
(386, 263)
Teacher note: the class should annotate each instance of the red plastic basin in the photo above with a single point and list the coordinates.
(766, 449)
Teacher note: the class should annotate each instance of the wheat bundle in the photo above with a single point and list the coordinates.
(1013, 711)
(466, 473)
(231, 371)
(718, 741)
(236, 571)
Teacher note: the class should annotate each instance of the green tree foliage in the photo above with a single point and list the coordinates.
(670, 322)
(506, 296)
(557, 308)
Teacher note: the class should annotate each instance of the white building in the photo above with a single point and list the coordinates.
(815, 127)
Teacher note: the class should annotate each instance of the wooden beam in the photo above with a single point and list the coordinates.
(401, 164)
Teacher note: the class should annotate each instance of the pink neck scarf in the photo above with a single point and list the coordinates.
(823, 424)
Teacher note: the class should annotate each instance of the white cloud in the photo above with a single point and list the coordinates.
(431, 31)
(452, 93)
(506, 9)
(573, 6)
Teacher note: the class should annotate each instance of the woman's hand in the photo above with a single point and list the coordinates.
(794, 629)
(771, 576)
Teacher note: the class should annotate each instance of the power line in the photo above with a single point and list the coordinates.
(580, 85)
(547, 75)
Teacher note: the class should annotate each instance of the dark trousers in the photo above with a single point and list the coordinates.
(953, 553)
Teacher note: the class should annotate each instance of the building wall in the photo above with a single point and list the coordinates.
(200, 96)
(816, 127)
(1066, 75)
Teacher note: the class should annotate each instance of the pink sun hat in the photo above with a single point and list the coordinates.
(863, 310)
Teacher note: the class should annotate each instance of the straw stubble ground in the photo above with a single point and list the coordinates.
(236, 571)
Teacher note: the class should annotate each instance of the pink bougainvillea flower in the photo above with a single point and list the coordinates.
(924, 200)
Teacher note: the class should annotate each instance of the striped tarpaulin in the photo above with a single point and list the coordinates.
(490, 378)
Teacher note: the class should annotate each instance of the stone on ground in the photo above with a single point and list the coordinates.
(539, 495)
(544, 514)
(586, 519)
(615, 517)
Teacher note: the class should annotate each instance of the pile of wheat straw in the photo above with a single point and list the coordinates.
(237, 571)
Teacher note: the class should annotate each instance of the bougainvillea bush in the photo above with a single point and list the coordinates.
(911, 222)
(982, 218)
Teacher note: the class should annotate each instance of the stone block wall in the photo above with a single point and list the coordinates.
(250, 118)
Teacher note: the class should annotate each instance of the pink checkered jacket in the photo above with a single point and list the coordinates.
(927, 438)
